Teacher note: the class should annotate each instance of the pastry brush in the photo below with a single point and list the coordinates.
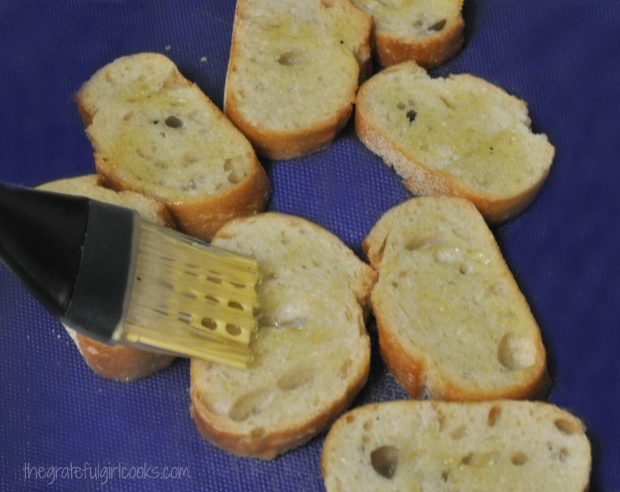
(114, 277)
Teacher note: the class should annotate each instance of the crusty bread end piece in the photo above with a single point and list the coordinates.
(456, 136)
(452, 321)
(156, 133)
(312, 352)
(118, 362)
(115, 361)
(293, 72)
(425, 31)
(507, 446)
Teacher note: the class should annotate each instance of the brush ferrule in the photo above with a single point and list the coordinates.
(105, 274)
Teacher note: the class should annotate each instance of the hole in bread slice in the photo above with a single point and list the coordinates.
(516, 352)
(384, 460)
(250, 404)
(291, 58)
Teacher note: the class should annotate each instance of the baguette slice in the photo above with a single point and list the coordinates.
(115, 361)
(456, 136)
(312, 353)
(293, 72)
(452, 321)
(156, 133)
(506, 446)
(425, 31)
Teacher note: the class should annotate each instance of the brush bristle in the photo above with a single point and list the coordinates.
(191, 299)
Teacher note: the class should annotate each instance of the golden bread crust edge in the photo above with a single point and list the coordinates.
(428, 52)
(422, 180)
(288, 145)
(120, 362)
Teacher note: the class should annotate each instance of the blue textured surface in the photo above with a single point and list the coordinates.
(559, 55)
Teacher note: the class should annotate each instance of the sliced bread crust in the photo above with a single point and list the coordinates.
(459, 136)
(452, 321)
(156, 133)
(441, 446)
(427, 32)
(124, 364)
(312, 353)
(293, 72)
(115, 361)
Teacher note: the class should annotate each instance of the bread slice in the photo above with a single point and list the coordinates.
(438, 446)
(457, 136)
(156, 133)
(312, 352)
(425, 31)
(452, 321)
(115, 361)
(293, 72)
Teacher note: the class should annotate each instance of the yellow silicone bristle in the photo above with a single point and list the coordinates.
(192, 299)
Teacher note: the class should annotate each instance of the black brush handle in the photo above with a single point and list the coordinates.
(41, 239)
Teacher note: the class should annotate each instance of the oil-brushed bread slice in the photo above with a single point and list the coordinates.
(312, 352)
(293, 72)
(115, 361)
(457, 136)
(452, 321)
(156, 133)
(417, 446)
(425, 31)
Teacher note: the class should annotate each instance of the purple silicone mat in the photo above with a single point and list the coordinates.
(559, 55)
